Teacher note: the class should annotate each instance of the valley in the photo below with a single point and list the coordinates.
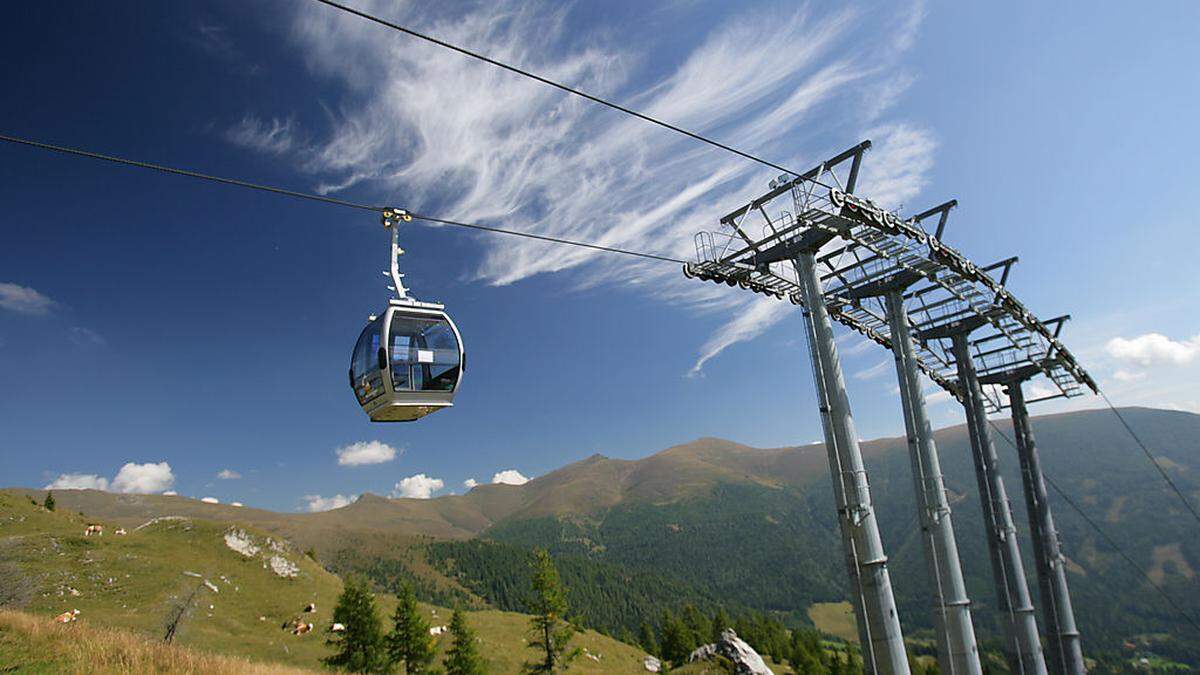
(710, 524)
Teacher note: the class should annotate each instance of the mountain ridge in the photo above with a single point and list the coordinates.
(755, 527)
(581, 488)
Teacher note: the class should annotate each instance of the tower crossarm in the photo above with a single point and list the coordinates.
(860, 246)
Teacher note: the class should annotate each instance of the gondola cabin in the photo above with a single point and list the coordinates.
(408, 362)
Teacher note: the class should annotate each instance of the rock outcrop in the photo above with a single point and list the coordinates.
(745, 660)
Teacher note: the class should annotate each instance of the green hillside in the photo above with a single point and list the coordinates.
(754, 528)
(138, 581)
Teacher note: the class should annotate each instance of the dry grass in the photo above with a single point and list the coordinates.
(835, 618)
(37, 644)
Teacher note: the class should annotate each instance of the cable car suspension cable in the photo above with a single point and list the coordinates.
(475, 226)
(1105, 536)
(558, 85)
(328, 200)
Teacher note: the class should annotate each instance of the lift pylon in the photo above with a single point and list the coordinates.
(958, 652)
(1065, 653)
(878, 622)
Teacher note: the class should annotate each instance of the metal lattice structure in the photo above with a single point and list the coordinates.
(873, 245)
(842, 257)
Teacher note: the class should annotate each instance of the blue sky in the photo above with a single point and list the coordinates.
(156, 332)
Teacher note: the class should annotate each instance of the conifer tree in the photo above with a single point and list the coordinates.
(361, 647)
(49, 503)
(626, 636)
(409, 642)
(648, 640)
(550, 633)
(720, 622)
(805, 652)
(676, 639)
(853, 660)
(835, 664)
(463, 657)
(698, 625)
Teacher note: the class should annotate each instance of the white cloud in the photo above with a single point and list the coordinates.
(236, 504)
(509, 477)
(85, 337)
(170, 493)
(24, 300)
(215, 40)
(898, 165)
(210, 500)
(938, 396)
(228, 474)
(757, 316)
(1122, 375)
(874, 371)
(1153, 349)
(861, 344)
(78, 481)
(470, 483)
(477, 143)
(365, 452)
(314, 503)
(419, 486)
(145, 478)
(275, 137)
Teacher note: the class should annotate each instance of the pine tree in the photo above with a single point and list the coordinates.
(720, 622)
(805, 653)
(676, 639)
(49, 503)
(361, 647)
(463, 657)
(835, 664)
(409, 642)
(698, 625)
(550, 634)
(853, 661)
(626, 636)
(647, 639)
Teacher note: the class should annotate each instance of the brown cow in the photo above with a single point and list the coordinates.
(94, 529)
(67, 617)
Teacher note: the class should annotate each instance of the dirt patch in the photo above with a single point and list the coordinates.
(1114, 511)
(835, 618)
(1166, 559)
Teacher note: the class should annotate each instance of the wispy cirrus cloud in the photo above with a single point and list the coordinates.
(478, 143)
(752, 320)
(874, 371)
(274, 136)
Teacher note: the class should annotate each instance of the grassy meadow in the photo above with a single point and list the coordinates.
(127, 588)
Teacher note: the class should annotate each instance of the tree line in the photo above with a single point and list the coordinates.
(363, 647)
(676, 636)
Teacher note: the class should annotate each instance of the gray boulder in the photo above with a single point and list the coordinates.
(745, 660)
